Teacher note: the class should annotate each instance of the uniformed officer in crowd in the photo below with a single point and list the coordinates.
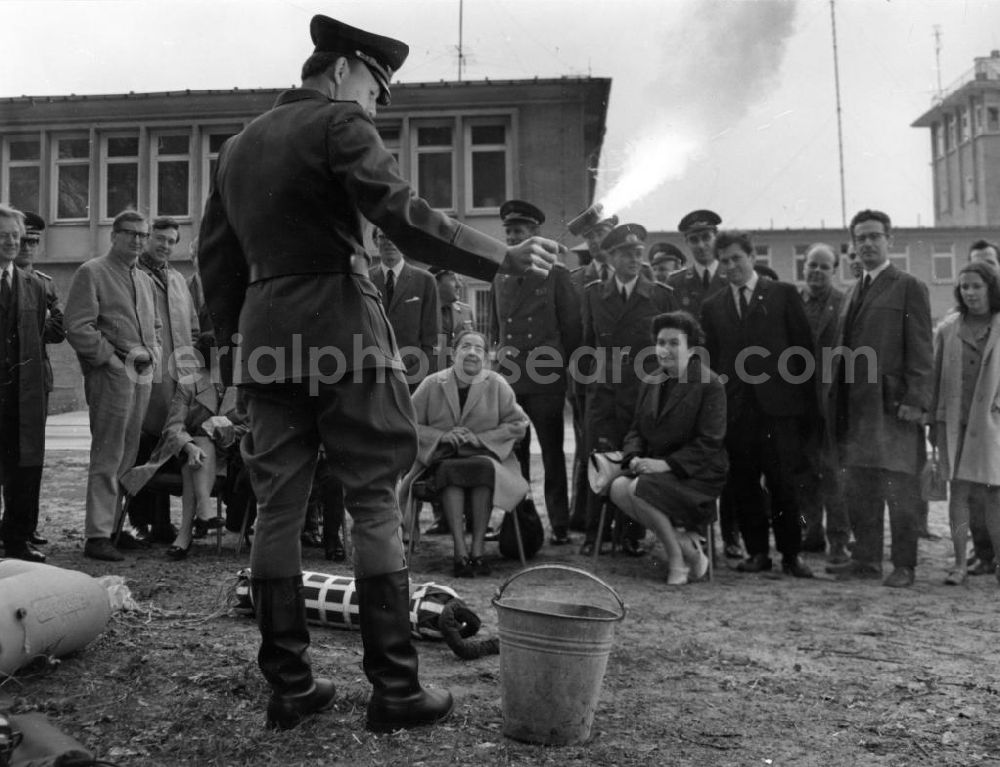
(456, 315)
(286, 277)
(535, 325)
(596, 268)
(693, 286)
(665, 258)
(616, 323)
(32, 247)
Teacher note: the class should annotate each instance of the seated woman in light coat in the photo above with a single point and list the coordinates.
(468, 422)
(967, 393)
(674, 456)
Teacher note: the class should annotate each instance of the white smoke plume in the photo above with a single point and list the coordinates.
(717, 58)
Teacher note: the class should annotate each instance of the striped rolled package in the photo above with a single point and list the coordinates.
(332, 600)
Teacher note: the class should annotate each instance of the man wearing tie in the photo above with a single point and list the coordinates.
(22, 391)
(456, 315)
(535, 325)
(703, 278)
(410, 298)
(759, 341)
(879, 402)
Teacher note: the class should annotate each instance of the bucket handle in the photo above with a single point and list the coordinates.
(563, 568)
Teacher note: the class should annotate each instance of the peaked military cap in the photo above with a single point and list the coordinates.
(663, 251)
(382, 55)
(33, 222)
(697, 220)
(624, 235)
(513, 211)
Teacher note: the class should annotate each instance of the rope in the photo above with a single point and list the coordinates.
(456, 623)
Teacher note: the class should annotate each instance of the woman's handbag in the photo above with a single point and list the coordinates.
(933, 482)
(532, 532)
(603, 469)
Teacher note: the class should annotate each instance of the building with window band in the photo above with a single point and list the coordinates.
(465, 146)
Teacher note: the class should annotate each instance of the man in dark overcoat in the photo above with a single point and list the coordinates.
(297, 318)
(880, 397)
(22, 391)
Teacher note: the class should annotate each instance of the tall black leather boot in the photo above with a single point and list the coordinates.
(390, 660)
(284, 653)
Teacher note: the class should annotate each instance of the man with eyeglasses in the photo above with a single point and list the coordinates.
(31, 247)
(22, 393)
(885, 322)
(112, 324)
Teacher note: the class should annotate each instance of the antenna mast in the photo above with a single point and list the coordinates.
(840, 129)
(937, 55)
(461, 54)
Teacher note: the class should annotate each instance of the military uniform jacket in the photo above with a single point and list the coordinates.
(280, 248)
(535, 317)
(414, 314)
(54, 332)
(619, 335)
(690, 291)
(22, 329)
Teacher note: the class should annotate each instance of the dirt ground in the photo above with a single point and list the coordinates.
(746, 670)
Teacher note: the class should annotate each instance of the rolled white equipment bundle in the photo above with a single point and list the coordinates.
(47, 611)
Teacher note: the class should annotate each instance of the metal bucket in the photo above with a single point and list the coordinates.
(552, 661)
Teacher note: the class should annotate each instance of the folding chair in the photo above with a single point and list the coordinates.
(168, 479)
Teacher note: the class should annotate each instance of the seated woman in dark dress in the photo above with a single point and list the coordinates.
(673, 454)
(468, 422)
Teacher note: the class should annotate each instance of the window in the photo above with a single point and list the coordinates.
(391, 138)
(120, 182)
(486, 167)
(979, 122)
(901, 260)
(211, 143)
(943, 263)
(993, 119)
(963, 117)
(72, 169)
(171, 174)
(434, 153)
(949, 138)
(800, 262)
(937, 138)
(24, 172)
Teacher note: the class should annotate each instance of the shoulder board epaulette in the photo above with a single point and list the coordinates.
(43, 275)
(664, 286)
(462, 305)
(592, 283)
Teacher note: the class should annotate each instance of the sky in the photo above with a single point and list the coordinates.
(730, 104)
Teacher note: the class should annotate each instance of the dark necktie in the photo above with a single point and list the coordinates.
(744, 304)
(5, 290)
(624, 295)
(390, 287)
(604, 272)
(704, 280)
(865, 284)
(447, 321)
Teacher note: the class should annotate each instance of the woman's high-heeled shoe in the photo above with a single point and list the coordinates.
(694, 555)
(677, 577)
(178, 553)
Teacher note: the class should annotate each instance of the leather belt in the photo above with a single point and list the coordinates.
(356, 263)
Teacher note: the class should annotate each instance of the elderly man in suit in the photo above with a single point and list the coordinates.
(410, 297)
(302, 294)
(114, 328)
(882, 390)
(31, 247)
(617, 317)
(758, 340)
(22, 391)
(535, 326)
(822, 486)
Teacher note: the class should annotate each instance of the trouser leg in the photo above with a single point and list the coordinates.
(578, 516)
(838, 523)
(546, 414)
(981, 541)
(903, 496)
(865, 495)
(783, 468)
